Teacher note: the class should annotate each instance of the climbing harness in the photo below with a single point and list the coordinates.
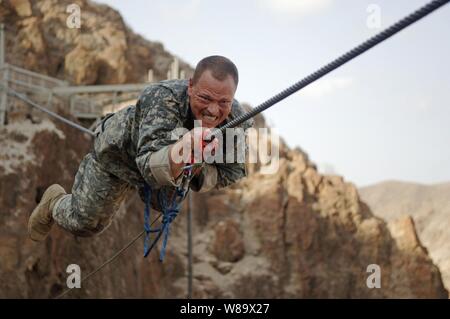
(170, 209)
(170, 212)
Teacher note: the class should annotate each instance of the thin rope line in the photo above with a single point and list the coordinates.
(53, 114)
(110, 260)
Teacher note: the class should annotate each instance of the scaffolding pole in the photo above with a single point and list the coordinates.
(3, 78)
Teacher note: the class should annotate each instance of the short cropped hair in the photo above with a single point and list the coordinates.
(219, 66)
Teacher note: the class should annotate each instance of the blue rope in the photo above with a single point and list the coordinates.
(147, 228)
(169, 210)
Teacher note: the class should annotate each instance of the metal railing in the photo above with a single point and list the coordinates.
(34, 78)
(85, 101)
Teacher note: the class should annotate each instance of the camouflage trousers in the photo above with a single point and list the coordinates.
(96, 196)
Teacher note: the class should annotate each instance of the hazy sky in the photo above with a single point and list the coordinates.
(385, 115)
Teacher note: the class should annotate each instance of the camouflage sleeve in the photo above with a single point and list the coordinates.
(218, 176)
(228, 174)
(159, 118)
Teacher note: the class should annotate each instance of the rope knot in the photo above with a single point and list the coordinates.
(169, 211)
(169, 215)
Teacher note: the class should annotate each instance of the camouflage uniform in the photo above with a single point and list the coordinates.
(131, 149)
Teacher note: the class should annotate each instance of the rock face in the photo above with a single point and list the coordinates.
(102, 51)
(429, 205)
(32, 157)
(293, 234)
(308, 235)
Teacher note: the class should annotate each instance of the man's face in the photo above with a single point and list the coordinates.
(211, 99)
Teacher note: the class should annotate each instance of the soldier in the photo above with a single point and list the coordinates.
(134, 147)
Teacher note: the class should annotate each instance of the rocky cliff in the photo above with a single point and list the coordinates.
(294, 234)
(103, 51)
(429, 205)
(291, 234)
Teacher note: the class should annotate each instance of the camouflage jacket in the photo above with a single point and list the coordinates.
(133, 142)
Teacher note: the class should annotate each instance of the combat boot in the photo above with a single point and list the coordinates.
(41, 219)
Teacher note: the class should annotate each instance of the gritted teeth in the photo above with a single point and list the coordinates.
(209, 117)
